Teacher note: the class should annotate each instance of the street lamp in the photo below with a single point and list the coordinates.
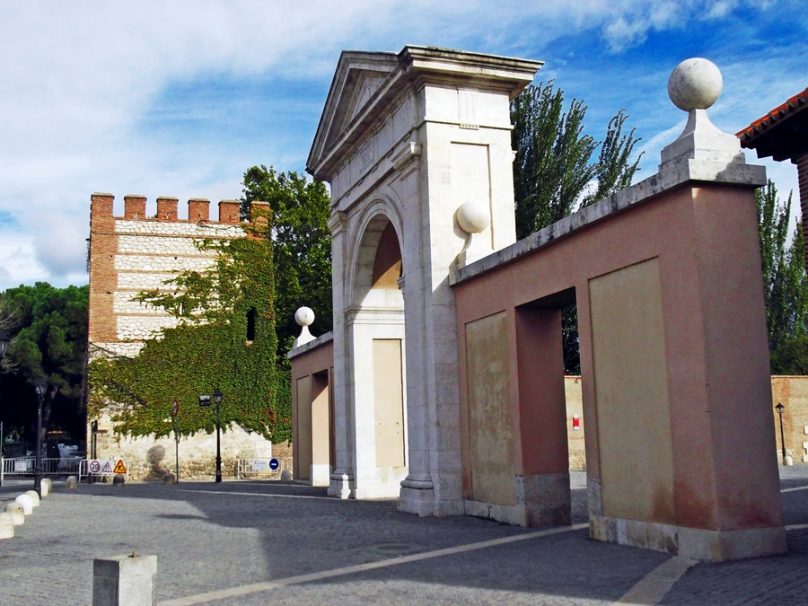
(4, 340)
(41, 387)
(780, 408)
(217, 397)
(204, 400)
(175, 409)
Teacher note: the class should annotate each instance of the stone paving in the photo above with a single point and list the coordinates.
(210, 537)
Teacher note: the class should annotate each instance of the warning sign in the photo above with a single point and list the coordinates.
(119, 467)
(97, 467)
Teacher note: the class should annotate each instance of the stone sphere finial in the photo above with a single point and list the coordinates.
(304, 316)
(695, 84)
(472, 217)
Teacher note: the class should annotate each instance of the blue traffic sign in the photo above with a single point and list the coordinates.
(274, 464)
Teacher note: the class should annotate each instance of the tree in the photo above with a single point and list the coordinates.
(48, 327)
(554, 168)
(301, 244)
(785, 284)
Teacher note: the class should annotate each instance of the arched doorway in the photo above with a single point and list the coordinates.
(377, 381)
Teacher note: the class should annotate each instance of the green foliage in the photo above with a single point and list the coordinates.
(49, 334)
(48, 327)
(209, 349)
(785, 284)
(301, 245)
(554, 167)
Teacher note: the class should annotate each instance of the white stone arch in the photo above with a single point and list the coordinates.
(379, 212)
(376, 378)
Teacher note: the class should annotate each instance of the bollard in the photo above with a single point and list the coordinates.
(6, 526)
(46, 487)
(169, 479)
(26, 503)
(286, 475)
(71, 483)
(124, 580)
(118, 480)
(16, 512)
(34, 497)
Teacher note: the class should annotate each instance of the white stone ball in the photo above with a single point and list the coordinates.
(695, 84)
(472, 217)
(304, 316)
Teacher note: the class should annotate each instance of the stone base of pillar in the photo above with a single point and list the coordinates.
(416, 497)
(695, 543)
(545, 499)
(341, 486)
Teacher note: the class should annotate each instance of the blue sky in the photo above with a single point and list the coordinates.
(180, 98)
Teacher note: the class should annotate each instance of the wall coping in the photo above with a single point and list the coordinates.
(670, 176)
(316, 343)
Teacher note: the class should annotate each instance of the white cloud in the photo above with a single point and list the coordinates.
(77, 80)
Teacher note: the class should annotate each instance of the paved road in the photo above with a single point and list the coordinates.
(237, 537)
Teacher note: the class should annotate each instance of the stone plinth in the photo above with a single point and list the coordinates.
(126, 580)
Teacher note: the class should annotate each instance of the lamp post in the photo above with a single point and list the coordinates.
(41, 387)
(175, 409)
(780, 408)
(204, 400)
(4, 340)
(217, 397)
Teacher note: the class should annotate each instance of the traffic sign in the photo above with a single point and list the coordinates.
(274, 464)
(95, 466)
(119, 467)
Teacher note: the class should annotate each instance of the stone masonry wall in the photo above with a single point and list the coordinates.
(133, 253)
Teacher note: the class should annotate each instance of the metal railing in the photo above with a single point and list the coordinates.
(254, 468)
(50, 466)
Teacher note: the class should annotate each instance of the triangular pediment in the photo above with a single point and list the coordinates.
(358, 78)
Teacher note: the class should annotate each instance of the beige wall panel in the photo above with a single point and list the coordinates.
(631, 391)
(490, 418)
(320, 419)
(388, 402)
(303, 463)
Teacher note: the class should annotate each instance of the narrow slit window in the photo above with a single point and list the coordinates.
(251, 324)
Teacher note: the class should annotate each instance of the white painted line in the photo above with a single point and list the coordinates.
(233, 592)
(653, 586)
(797, 527)
(794, 488)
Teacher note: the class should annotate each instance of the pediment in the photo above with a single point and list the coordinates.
(359, 76)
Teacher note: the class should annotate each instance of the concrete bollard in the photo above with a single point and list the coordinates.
(71, 483)
(286, 475)
(34, 497)
(169, 479)
(124, 580)
(46, 487)
(118, 480)
(6, 526)
(16, 513)
(26, 503)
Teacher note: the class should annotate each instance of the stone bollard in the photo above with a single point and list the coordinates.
(34, 497)
(6, 526)
(17, 514)
(286, 475)
(71, 483)
(46, 487)
(124, 580)
(119, 480)
(26, 503)
(169, 479)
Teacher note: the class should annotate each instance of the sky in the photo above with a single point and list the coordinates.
(180, 98)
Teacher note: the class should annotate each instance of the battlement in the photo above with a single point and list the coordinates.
(101, 209)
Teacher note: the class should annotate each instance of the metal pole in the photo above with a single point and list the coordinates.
(38, 463)
(176, 452)
(782, 435)
(218, 450)
(2, 445)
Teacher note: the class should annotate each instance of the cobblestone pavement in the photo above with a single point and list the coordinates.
(210, 537)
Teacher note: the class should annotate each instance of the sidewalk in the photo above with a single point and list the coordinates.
(254, 541)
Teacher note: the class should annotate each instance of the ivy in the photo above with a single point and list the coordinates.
(207, 350)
